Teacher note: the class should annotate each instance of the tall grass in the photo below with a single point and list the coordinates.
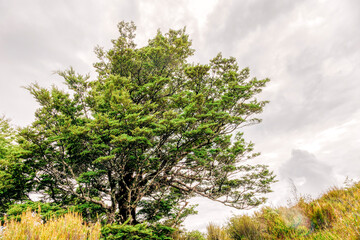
(215, 232)
(243, 227)
(31, 227)
(336, 215)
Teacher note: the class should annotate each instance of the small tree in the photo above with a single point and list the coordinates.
(152, 130)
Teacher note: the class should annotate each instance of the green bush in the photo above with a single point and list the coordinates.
(90, 212)
(139, 231)
(45, 210)
(194, 235)
(284, 223)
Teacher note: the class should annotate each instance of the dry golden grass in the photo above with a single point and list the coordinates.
(215, 232)
(31, 227)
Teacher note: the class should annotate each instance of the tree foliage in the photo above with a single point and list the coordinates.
(151, 131)
(15, 176)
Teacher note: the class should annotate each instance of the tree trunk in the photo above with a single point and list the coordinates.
(127, 213)
(110, 216)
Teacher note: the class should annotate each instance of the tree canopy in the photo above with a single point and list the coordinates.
(151, 131)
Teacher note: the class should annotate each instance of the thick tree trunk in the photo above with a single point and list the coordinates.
(126, 199)
(127, 213)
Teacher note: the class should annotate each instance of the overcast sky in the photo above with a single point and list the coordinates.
(310, 49)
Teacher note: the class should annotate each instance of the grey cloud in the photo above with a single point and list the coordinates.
(314, 68)
(40, 31)
(165, 15)
(39, 37)
(235, 20)
(309, 174)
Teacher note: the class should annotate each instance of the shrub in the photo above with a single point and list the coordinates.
(45, 210)
(194, 235)
(284, 223)
(88, 211)
(139, 231)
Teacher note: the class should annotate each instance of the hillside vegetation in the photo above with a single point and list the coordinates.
(335, 215)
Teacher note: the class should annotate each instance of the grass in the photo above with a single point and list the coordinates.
(31, 227)
(215, 232)
(335, 215)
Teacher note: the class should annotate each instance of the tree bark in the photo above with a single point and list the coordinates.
(126, 212)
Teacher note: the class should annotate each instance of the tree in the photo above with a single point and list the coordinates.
(15, 177)
(150, 127)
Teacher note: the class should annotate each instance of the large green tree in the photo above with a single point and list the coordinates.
(149, 131)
